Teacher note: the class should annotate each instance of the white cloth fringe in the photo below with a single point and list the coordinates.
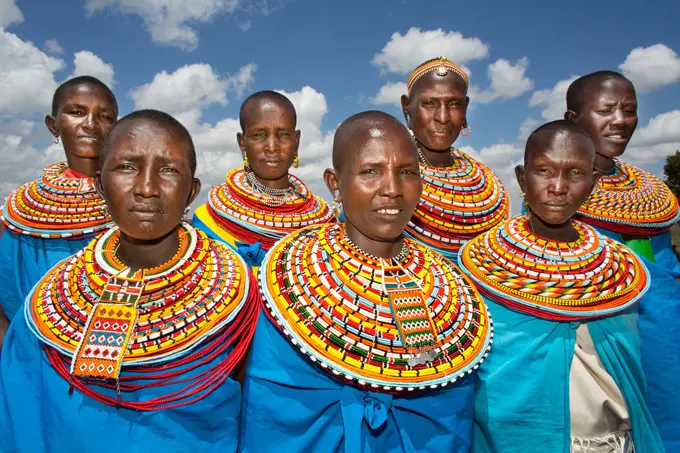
(618, 442)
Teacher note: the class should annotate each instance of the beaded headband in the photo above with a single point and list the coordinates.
(441, 65)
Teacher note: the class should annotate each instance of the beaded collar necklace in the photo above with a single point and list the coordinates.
(56, 206)
(591, 277)
(632, 201)
(100, 321)
(457, 203)
(252, 215)
(410, 323)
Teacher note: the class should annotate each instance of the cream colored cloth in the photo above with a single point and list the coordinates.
(599, 417)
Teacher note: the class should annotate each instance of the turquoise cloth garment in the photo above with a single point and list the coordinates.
(659, 326)
(37, 414)
(24, 260)
(290, 405)
(522, 397)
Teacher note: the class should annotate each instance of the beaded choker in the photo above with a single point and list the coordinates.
(457, 204)
(56, 206)
(631, 201)
(252, 214)
(413, 322)
(591, 277)
(102, 322)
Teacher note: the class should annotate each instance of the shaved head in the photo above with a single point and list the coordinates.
(264, 96)
(359, 128)
(544, 136)
(579, 88)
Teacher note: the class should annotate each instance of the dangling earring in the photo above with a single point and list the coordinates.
(296, 162)
(465, 130)
(56, 139)
(246, 164)
(525, 205)
(336, 208)
(185, 217)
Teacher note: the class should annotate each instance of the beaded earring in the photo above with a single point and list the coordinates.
(246, 164)
(336, 208)
(296, 162)
(465, 130)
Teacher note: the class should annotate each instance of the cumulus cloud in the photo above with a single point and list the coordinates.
(553, 100)
(87, 63)
(526, 128)
(173, 22)
(652, 67)
(390, 94)
(507, 81)
(10, 13)
(26, 76)
(659, 138)
(191, 87)
(403, 53)
(52, 46)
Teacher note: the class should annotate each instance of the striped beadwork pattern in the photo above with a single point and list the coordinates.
(457, 204)
(253, 216)
(56, 206)
(328, 298)
(632, 201)
(201, 298)
(591, 277)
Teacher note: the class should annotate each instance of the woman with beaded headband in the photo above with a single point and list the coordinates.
(566, 372)
(130, 344)
(628, 204)
(56, 215)
(461, 197)
(370, 338)
(262, 202)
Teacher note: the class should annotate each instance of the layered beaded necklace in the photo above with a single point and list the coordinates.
(631, 201)
(107, 326)
(252, 212)
(591, 277)
(56, 205)
(412, 322)
(458, 203)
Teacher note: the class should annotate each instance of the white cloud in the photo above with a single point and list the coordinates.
(87, 63)
(390, 94)
(403, 53)
(52, 46)
(507, 81)
(26, 76)
(190, 87)
(173, 22)
(653, 142)
(242, 81)
(651, 67)
(10, 13)
(526, 128)
(553, 100)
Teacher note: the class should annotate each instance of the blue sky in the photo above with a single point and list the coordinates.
(198, 59)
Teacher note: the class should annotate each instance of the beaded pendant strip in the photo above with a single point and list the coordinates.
(457, 204)
(258, 216)
(187, 311)
(328, 298)
(589, 278)
(56, 206)
(631, 201)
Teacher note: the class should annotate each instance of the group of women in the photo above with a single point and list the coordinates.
(272, 321)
